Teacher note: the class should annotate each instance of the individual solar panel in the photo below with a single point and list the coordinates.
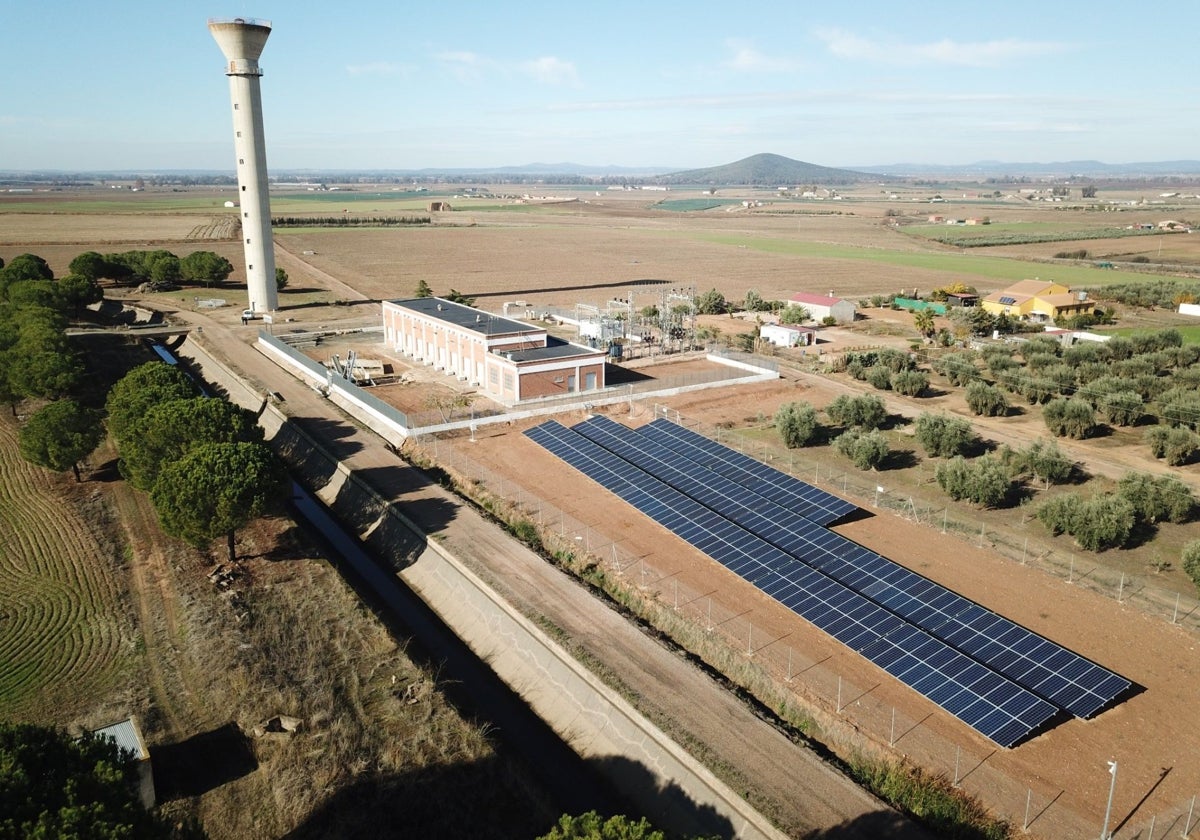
(1073, 683)
(795, 495)
(991, 704)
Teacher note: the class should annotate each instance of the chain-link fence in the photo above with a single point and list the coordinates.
(849, 717)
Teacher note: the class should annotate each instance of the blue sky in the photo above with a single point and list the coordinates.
(135, 84)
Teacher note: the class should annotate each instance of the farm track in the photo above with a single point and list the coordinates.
(64, 637)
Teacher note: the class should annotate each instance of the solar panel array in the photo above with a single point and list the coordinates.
(1049, 670)
(996, 676)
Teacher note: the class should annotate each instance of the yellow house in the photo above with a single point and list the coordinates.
(1036, 300)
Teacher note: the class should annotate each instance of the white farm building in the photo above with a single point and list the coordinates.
(783, 335)
(821, 307)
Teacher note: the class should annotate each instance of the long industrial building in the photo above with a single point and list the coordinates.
(509, 361)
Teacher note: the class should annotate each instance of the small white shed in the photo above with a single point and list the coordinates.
(787, 335)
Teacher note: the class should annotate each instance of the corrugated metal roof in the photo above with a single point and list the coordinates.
(126, 736)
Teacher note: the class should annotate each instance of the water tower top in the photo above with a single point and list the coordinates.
(242, 41)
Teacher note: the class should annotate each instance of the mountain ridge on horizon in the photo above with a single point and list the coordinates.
(763, 169)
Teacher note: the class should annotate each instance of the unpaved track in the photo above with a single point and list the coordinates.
(807, 794)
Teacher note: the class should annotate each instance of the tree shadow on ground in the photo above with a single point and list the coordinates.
(877, 825)
(201, 763)
(663, 802)
(336, 436)
(900, 459)
(486, 798)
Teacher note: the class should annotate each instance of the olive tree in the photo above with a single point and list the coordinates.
(943, 435)
(797, 424)
(867, 449)
(866, 411)
(986, 400)
(1190, 557)
(984, 480)
(1070, 417)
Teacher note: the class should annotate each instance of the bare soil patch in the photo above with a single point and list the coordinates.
(1061, 765)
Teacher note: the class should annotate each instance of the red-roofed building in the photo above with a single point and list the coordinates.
(821, 307)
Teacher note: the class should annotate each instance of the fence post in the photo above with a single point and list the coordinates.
(957, 758)
(1028, 800)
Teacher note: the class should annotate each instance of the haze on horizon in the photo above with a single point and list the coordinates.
(133, 85)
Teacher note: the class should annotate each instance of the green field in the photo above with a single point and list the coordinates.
(1020, 233)
(995, 268)
(689, 205)
(1191, 334)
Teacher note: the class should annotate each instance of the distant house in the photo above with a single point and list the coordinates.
(821, 307)
(440, 207)
(128, 737)
(1037, 300)
(786, 335)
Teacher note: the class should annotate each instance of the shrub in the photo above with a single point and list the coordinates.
(1177, 446)
(944, 436)
(1190, 557)
(959, 368)
(910, 383)
(1122, 408)
(1156, 499)
(797, 424)
(866, 411)
(1102, 522)
(1180, 407)
(983, 480)
(879, 376)
(829, 321)
(1038, 389)
(1044, 461)
(986, 400)
(1074, 417)
(868, 450)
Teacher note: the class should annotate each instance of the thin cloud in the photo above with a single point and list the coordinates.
(551, 71)
(994, 53)
(747, 59)
(465, 66)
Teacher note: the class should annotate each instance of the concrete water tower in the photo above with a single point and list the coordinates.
(242, 41)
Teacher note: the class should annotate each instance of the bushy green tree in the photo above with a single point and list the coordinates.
(60, 435)
(1037, 389)
(797, 424)
(281, 279)
(984, 480)
(592, 826)
(217, 488)
(76, 291)
(169, 430)
(1070, 417)
(53, 785)
(711, 302)
(986, 400)
(144, 386)
(89, 264)
(867, 449)
(910, 383)
(865, 411)
(40, 362)
(1180, 407)
(423, 290)
(204, 267)
(793, 314)
(943, 435)
(24, 267)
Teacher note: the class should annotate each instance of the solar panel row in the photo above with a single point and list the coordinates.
(993, 705)
(1054, 673)
(795, 495)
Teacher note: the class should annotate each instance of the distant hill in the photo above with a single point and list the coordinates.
(765, 170)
